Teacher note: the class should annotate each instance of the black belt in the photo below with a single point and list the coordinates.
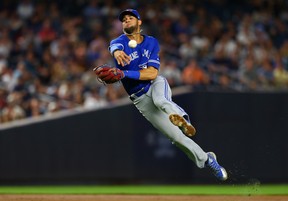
(140, 92)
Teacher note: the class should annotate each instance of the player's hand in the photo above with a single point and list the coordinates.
(121, 57)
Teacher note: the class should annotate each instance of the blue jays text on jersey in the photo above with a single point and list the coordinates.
(142, 56)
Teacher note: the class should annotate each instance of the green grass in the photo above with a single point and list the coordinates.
(151, 189)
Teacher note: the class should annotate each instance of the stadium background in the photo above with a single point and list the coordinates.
(56, 119)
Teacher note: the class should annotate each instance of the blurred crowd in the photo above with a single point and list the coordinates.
(49, 48)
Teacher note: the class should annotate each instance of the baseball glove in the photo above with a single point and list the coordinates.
(107, 74)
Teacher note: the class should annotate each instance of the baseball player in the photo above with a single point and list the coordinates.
(137, 57)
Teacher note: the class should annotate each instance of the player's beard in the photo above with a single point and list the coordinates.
(130, 30)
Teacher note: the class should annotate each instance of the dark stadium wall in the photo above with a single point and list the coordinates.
(248, 132)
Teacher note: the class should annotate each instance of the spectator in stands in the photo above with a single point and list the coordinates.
(3, 95)
(280, 74)
(25, 9)
(46, 34)
(47, 47)
(265, 74)
(93, 99)
(195, 76)
(13, 110)
(187, 49)
(221, 69)
(284, 53)
(171, 71)
(248, 74)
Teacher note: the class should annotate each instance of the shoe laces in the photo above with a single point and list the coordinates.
(213, 165)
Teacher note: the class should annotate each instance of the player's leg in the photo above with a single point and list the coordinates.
(160, 120)
(162, 98)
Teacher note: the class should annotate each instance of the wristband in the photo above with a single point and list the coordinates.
(132, 74)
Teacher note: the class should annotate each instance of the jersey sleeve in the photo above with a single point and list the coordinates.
(154, 59)
(115, 44)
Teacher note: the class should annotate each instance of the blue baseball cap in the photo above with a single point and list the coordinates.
(129, 12)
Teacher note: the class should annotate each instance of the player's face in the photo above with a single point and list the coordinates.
(130, 24)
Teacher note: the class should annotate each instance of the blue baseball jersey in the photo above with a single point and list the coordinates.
(142, 56)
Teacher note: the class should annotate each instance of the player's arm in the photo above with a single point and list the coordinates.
(116, 49)
(149, 73)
